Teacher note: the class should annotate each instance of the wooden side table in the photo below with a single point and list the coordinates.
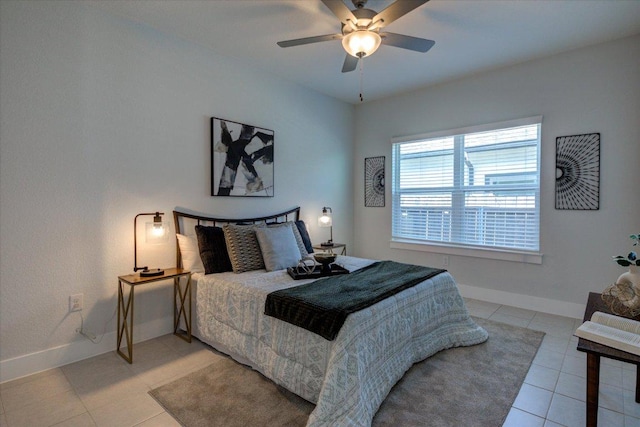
(594, 351)
(330, 249)
(181, 295)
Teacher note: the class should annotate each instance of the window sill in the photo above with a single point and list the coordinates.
(497, 254)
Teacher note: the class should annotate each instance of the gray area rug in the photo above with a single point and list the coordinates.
(467, 386)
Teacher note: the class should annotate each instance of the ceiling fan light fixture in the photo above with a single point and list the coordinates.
(361, 43)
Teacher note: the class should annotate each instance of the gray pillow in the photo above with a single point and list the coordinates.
(297, 235)
(279, 247)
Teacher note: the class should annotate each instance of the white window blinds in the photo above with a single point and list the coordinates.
(477, 187)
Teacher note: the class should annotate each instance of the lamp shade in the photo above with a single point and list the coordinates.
(325, 219)
(361, 43)
(156, 232)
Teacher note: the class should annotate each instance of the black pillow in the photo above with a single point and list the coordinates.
(302, 228)
(213, 249)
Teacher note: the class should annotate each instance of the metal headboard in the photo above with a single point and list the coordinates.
(185, 222)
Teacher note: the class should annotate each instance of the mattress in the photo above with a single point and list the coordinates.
(349, 377)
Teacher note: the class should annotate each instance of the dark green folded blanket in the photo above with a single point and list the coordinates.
(323, 306)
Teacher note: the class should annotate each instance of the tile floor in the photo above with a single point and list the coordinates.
(107, 391)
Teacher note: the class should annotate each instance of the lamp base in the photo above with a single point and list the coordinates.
(327, 244)
(152, 272)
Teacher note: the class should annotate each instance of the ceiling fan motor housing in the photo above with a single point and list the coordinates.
(364, 18)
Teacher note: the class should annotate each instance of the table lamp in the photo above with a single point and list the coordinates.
(156, 232)
(326, 221)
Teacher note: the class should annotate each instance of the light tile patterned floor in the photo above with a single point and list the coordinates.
(107, 391)
(554, 391)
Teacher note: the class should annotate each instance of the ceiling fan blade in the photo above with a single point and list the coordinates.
(397, 10)
(350, 63)
(307, 40)
(407, 42)
(340, 10)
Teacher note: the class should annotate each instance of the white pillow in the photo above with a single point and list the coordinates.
(279, 247)
(190, 253)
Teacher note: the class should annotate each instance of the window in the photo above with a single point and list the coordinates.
(476, 187)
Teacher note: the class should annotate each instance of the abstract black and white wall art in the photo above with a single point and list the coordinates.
(578, 172)
(374, 181)
(241, 159)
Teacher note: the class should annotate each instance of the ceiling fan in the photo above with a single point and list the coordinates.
(361, 27)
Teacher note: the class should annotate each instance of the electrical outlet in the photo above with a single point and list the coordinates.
(75, 302)
(445, 261)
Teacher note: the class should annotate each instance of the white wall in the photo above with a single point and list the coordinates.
(102, 119)
(595, 89)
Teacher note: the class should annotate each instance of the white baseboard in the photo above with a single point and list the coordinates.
(28, 364)
(22, 366)
(544, 305)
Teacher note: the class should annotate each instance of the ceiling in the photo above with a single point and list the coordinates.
(471, 36)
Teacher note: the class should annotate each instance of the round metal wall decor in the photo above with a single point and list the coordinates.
(374, 181)
(578, 172)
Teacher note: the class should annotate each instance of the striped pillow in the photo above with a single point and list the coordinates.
(242, 245)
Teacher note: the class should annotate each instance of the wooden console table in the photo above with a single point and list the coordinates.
(181, 296)
(594, 352)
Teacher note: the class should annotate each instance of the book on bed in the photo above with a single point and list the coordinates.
(613, 331)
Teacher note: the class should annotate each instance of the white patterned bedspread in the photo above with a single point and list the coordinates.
(347, 378)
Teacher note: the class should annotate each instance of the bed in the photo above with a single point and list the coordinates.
(347, 377)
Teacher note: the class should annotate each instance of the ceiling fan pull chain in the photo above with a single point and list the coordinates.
(361, 73)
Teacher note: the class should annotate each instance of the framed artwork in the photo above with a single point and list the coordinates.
(241, 159)
(374, 181)
(578, 172)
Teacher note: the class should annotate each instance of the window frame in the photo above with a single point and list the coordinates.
(450, 248)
